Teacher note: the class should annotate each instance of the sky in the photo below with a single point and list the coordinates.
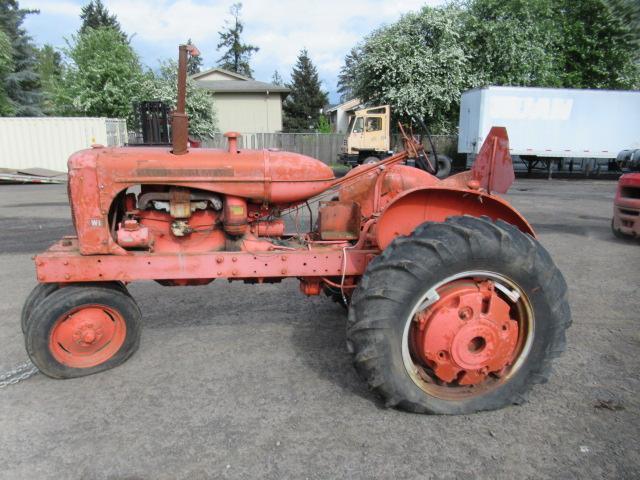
(327, 28)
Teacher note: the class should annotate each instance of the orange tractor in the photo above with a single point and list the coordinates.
(454, 306)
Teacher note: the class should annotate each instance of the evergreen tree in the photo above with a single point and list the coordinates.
(95, 15)
(237, 55)
(21, 84)
(303, 105)
(6, 67)
(276, 79)
(347, 75)
(194, 64)
(50, 71)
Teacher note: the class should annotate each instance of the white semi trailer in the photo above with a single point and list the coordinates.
(547, 125)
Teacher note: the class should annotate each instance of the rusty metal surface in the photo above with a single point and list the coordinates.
(179, 119)
(419, 205)
(97, 176)
(492, 167)
(180, 202)
(64, 263)
(235, 215)
(339, 220)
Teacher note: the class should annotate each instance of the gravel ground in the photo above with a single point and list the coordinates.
(241, 381)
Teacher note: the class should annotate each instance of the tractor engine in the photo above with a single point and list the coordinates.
(177, 219)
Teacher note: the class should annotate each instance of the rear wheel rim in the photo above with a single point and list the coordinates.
(467, 335)
(87, 336)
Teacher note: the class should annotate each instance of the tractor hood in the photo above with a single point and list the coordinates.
(259, 175)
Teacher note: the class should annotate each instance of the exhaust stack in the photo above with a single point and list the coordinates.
(179, 119)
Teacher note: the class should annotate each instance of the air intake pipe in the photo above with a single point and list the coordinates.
(179, 119)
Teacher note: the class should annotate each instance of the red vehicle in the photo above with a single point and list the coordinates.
(626, 207)
(454, 306)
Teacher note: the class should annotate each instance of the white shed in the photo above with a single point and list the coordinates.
(47, 142)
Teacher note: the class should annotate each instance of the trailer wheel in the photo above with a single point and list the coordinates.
(458, 317)
(370, 160)
(81, 330)
(43, 290)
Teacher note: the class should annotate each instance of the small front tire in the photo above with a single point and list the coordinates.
(82, 330)
(43, 290)
(39, 292)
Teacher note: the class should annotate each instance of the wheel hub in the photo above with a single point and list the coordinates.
(467, 334)
(87, 336)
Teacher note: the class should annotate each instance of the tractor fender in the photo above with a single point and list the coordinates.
(418, 205)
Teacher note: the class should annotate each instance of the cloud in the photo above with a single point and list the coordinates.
(53, 7)
(328, 28)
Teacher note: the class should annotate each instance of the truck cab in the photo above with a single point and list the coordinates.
(368, 137)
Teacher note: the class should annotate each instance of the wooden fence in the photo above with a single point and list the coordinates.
(323, 146)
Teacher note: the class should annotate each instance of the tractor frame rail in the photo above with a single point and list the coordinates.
(63, 263)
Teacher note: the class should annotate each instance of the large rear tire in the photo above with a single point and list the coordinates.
(81, 330)
(458, 317)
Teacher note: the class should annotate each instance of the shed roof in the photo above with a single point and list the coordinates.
(240, 86)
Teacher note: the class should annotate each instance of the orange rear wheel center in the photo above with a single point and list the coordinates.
(467, 334)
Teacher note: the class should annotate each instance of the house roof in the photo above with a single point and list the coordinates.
(345, 106)
(232, 82)
(240, 86)
(229, 73)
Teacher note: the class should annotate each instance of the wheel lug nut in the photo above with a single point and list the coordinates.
(465, 313)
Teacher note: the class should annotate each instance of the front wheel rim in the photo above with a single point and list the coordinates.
(87, 336)
(468, 334)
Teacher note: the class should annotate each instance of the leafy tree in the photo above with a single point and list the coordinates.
(600, 46)
(417, 65)
(421, 64)
(50, 71)
(200, 108)
(347, 76)
(511, 43)
(276, 79)
(554, 43)
(237, 54)
(6, 67)
(95, 15)
(103, 78)
(21, 84)
(194, 64)
(306, 99)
